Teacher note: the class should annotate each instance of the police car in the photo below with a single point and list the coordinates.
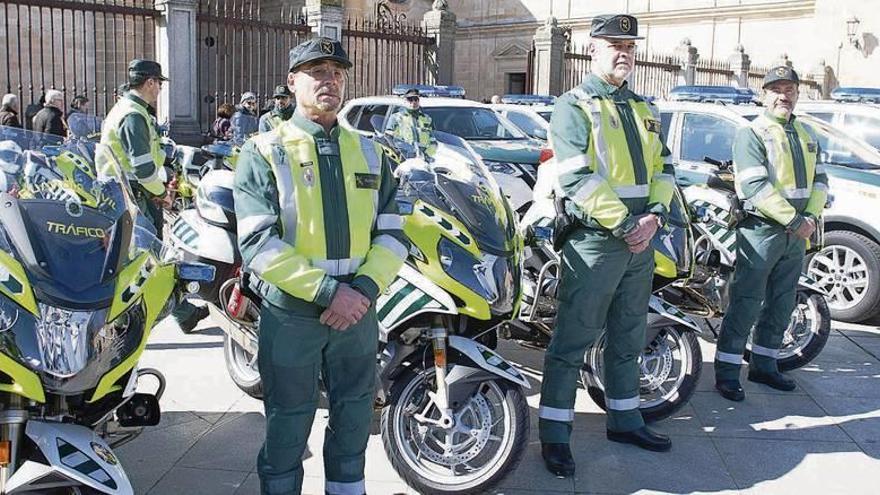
(510, 154)
(853, 110)
(531, 119)
(850, 257)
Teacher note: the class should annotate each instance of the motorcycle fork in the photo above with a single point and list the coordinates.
(437, 334)
(12, 423)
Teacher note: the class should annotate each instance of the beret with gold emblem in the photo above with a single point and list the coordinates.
(615, 27)
(320, 48)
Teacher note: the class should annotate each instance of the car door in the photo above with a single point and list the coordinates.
(701, 135)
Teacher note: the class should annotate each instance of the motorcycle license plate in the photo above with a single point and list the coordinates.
(196, 272)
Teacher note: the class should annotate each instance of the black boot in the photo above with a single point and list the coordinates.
(643, 437)
(730, 390)
(774, 380)
(188, 315)
(558, 459)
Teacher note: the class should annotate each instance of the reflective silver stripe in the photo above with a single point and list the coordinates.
(623, 404)
(751, 173)
(556, 414)
(572, 164)
(820, 169)
(798, 193)
(391, 243)
(286, 193)
(251, 225)
(664, 178)
(389, 221)
(139, 160)
(268, 252)
(587, 188)
(764, 192)
(821, 186)
(345, 488)
(600, 146)
(637, 191)
(340, 267)
(726, 357)
(764, 351)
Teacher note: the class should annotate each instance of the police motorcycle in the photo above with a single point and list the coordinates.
(671, 361)
(454, 417)
(81, 285)
(716, 211)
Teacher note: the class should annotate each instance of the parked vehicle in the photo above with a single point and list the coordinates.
(528, 118)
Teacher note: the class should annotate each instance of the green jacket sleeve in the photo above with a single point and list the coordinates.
(589, 191)
(753, 182)
(389, 246)
(263, 252)
(135, 136)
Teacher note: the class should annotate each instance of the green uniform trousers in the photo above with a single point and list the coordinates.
(293, 349)
(768, 265)
(603, 287)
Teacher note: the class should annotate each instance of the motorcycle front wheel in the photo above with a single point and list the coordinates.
(669, 368)
(487, 441)
(242, 368)
(806, 335)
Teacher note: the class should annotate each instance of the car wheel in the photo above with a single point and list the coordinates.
(848, 269)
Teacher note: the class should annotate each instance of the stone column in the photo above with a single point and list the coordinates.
(325, 17)
(824, 75)
(439, 22)
(783, 60)
(549, 66)
(740, 63)
(688, 56)
(177, 51)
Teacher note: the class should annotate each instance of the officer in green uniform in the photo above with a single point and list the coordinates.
(784, 191)
(282, 110)
(412, 126)
(318, 226)
(130, 135)
(610, 157)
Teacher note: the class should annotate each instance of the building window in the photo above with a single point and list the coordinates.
(516, 83)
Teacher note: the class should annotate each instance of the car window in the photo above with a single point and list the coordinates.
(528, 124)
(473, 123)
(838, 148)
(546, 115)
(707, 135)
(665, 122)
(368, 112)
(864, 127)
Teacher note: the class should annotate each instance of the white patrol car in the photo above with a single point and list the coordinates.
(533, 120)
(510, 154)
(860, 120)
(848, 266)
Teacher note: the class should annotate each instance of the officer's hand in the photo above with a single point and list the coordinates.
(638, 248)
(808, 226)
(647, 227)
(347, 308)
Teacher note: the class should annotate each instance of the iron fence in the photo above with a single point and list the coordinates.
(713, 73)
(577, 66)
(77, 47)
(240, 51)
(655, 74)
(386, 51)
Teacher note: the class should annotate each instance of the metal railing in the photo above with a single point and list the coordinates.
(713, 73)
(77, 47)
(385, 52)
(239, 51)
(654, 74)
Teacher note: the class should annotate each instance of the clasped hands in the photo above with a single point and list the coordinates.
(640, 238)
(346, 309)
(806, 228)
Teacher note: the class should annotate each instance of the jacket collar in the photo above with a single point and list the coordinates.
(133, 97)
(605, 89)
(313, 129)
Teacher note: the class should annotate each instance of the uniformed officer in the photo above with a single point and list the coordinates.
(282, 110)
(318, 225)
(610, 157)
(784, 191)
(412, 126)
(130, 134)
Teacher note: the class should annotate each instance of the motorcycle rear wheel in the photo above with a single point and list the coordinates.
(806, 335)
(242, 368)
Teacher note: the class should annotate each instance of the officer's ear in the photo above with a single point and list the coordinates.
(290, 80)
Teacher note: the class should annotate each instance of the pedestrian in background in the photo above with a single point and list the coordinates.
(50, 120)
(80, 104)
(221, 129)
(281, 111)
(9, 111)
(245, 119)
(32, 110)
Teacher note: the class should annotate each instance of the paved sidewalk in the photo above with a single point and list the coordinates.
(822, 439)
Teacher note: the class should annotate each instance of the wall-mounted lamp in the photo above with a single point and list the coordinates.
(852, 27)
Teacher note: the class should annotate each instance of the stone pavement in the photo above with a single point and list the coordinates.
(822, 439)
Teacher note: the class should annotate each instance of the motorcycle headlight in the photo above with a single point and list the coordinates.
(490, 276)
(63, 339)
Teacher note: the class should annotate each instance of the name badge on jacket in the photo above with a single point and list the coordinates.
(367, 181)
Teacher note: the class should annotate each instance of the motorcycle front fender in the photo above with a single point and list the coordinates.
(662, 314)
(485, 359)
(74, 453)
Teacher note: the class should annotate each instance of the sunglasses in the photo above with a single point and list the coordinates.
(412, 98)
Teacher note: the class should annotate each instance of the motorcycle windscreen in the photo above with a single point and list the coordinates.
(673, 243)
(75, 248)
